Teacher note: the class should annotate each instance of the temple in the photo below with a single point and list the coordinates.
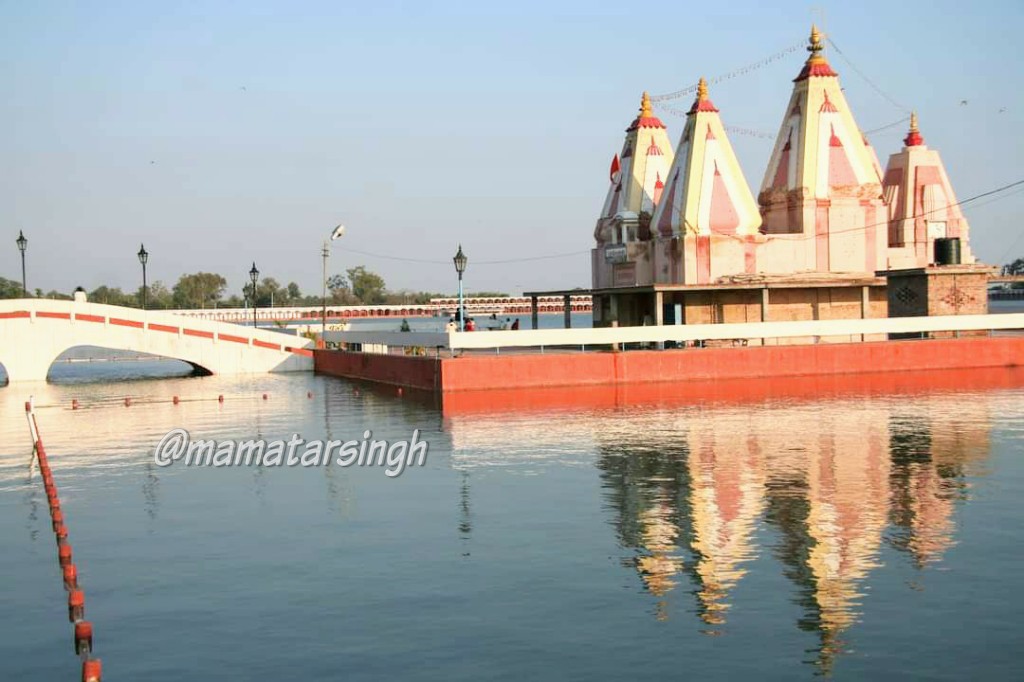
(682, 239)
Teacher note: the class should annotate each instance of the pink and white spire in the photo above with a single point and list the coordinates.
(705, 191)
(637, 172)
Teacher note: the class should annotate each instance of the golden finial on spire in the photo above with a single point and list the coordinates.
(913, 122)
(815, 45)
(645, 105)
(702, 89)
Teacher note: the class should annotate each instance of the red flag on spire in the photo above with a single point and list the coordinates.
(613, 174)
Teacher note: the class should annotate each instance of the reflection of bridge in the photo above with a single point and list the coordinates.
(506, 305)
(34, 332)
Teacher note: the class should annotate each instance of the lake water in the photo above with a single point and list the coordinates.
(854, 527)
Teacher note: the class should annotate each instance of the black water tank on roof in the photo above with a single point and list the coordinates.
(947, 251)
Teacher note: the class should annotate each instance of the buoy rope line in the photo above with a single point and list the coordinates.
(92, 668)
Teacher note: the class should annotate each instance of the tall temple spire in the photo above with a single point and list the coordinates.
(921, 204)
(706, 192)
(636, 173)
(823, 175)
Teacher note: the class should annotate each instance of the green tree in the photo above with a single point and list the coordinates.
(339, 290)
(112, 296)
(1015, 268)
(9, 288)
(267, 291)
(367, 287)
(198, 290)
(158, 296)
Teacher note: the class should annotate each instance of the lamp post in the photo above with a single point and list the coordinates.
(339, 230)
(143, 258)
(22, 245)
(254, 275)
(460, 267)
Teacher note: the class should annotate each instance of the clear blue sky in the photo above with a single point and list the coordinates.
(219, 133)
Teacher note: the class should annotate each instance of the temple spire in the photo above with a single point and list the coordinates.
(645, 105)
(913, 138)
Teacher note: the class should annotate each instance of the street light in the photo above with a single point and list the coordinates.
(339, 230)
(254, 275)
(460, 267)
(143, 258)
(22, 245)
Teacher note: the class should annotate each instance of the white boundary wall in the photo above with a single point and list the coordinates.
(604, 336)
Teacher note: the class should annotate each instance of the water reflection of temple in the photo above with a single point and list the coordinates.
(706, 497)
(831, 483)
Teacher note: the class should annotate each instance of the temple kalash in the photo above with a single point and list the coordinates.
(682, 239)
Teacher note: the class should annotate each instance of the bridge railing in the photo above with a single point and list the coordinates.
(755, 333)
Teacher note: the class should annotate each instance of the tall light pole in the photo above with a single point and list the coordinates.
(254, 275)
(339, 230)
(22, 245)
(143, 258)
(460, 267)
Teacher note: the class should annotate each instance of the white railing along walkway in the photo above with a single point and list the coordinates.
(605, 336)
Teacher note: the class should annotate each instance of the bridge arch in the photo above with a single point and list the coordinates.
(70, 364)
(35, 332)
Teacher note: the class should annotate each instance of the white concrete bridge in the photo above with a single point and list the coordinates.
(34, 332)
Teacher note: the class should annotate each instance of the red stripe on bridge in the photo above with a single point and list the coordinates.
(90, 318)
(14, 314)
(198, 332)
(126, 323)
(54, 316)
(299, 351)
(232, 337)
(266, 344)
(153, 327)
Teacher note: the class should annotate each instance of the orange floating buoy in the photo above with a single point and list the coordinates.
(83, 637)
(92, 670)
(74, 404)
(70, 576)
(127, 402)
(64, 554)
(220, 398)
(62, 534)
(175, 400)
(57, 518)
(76, 605)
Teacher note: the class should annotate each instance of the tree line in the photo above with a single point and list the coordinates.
(358, 286)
